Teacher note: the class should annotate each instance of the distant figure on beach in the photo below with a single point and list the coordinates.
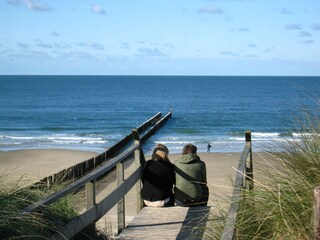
(191, 179)
(158, 179)
(208, 147)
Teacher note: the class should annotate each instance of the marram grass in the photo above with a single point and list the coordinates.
(281, 205)
(15, 225)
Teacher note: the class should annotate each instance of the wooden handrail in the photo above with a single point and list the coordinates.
(96, 210)
(243, 179)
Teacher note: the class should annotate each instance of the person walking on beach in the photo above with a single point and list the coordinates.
(191, 179)
(158, 179)
(208, 147)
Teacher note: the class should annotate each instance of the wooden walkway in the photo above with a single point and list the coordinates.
(170, 223)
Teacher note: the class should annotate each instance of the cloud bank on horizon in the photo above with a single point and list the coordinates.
(168, 37)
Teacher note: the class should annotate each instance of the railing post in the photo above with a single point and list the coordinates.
(90, 194)
(91, 198)
(249, 166)
(316, 215)
(121, 204)
(139, 161)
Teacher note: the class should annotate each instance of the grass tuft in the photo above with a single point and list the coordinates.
(281, 205)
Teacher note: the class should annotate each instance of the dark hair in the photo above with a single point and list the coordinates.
(162, 148)
(189, 149)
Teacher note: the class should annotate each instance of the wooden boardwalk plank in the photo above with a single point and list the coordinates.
(168, 223)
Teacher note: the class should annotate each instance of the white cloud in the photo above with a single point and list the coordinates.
(308, 41)
(23, 45)
(210, 10)
(94, 45)
(304, 34)
(244, 29)
(61, 45)
(43, 45)
(316, 26)
(250, 56)
(296, 26)
(55, 34)
(125, 45)
(31, 4)
(97, 9)
(229, 53)
(285, 11)
(252, 45)
(151, 52)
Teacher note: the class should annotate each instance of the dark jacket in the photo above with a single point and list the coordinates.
(158, 179)
(191, 179)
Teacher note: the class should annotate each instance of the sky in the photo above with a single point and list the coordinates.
(160, 37)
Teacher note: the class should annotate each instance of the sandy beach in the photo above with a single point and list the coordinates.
(33, 165)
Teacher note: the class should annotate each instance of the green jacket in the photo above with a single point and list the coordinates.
(191, 179)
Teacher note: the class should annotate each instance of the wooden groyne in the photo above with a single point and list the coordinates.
(151, 223)
(146, 130)
(94, 211)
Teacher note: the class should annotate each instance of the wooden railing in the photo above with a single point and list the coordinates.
(243, 180)
(94, 211)
(84, 167)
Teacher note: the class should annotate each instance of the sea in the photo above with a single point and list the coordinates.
(92, 113)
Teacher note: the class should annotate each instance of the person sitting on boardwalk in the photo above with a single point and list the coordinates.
(191, 179)
(158, 179)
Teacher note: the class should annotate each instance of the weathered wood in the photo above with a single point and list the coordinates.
(107, 203)
(76, 225)
(158, 124)
(90, 194)
(80, 169)
(239, 183)
(139, 161)
(96, 210)
(99, 210)
(168, 223)
(121, 204)
(249, 163)
(82, 181)
(316, 215)
(149, 122)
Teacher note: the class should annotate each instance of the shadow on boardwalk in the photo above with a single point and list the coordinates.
(169, 223)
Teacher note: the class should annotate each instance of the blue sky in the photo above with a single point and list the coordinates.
(160, 37)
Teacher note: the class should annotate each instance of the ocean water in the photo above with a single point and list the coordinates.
(94, 112)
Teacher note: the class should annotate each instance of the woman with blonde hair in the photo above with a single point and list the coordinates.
(158, 179)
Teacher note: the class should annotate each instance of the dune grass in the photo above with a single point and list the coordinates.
(14, 198)
(281, 205)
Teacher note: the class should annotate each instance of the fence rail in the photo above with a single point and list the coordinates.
(243, 180)
(95, 211)
(87, 166)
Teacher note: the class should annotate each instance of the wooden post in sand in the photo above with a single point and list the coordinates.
(316, 215)
(249, 166)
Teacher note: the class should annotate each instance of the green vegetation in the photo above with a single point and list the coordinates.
(281, 205)
(15, 225)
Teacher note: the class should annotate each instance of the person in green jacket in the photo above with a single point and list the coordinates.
(191, 179)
